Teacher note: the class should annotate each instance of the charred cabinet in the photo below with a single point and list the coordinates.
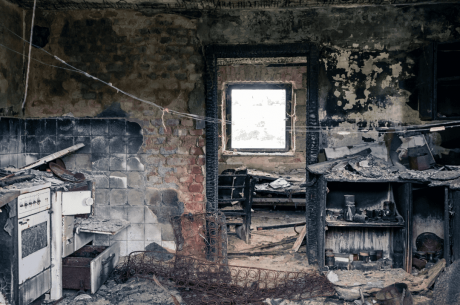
(351, 237)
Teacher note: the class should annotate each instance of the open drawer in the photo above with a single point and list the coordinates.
(89, 267)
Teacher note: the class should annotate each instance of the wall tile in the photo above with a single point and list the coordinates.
(82, 127)
(101, 162)
(102, 211)
(99, 127)
(118, 197)
(117, 145)
(65, 127)
(133, 163)
(63, 142)
(47, 144)
(117, 162)
(153, 233)
(149, 216)
(83, 162)
(102, 196)
(117, 127)
(31, 145)
(99, 145)
(133, 129)
(50, 127)
(85, 140)
(136, 232)
(136, 197)
(118, 180)
(135, 246)
(118, 212)
(35, 127)
(135, 214)
(134, 144)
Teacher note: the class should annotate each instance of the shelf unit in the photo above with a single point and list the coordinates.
(237, 187)
(344, 236)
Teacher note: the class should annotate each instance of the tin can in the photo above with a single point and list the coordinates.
(364, 256)
(330, 260)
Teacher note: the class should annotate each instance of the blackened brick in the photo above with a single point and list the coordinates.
(164, 40)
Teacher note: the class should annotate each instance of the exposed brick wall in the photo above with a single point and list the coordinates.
(155, 58)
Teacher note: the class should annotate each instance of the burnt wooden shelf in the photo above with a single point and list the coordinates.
(341, 223)
(230, 199)
(366, 180)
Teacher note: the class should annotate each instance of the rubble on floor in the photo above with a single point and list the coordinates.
(134, 291)
(447, 289)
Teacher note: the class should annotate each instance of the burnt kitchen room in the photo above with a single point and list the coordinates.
(229, 152)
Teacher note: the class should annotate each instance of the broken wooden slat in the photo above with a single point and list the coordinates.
(52, 157)
(340, 223)
(433, 274)
(300, 239)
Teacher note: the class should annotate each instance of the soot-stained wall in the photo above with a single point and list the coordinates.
(11, 64)
(157, 55)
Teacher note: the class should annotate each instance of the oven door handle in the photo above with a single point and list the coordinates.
(108, 259)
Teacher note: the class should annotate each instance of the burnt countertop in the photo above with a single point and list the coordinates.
(373, 169)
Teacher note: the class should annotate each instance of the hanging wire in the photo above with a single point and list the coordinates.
(30, 52)
(299, 129)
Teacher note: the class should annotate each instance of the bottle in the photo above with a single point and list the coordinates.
(349, 207)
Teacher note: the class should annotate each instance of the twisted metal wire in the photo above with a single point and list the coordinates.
(201, 271)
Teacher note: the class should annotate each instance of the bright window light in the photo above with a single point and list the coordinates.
(258, 118)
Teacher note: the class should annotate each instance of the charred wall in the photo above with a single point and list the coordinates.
(157, 56)
(11, 64)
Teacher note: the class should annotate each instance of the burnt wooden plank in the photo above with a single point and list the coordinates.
(446, 226)
(344, 224)
(456, 225)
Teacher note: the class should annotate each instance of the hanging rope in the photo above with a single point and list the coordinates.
(30, 51)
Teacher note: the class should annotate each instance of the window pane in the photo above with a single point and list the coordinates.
(258, 118)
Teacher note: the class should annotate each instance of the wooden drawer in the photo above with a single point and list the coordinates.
(89, 267)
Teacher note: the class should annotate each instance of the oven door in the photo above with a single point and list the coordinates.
(34, 245)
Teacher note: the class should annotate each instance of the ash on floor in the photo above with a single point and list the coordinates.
(134, 291)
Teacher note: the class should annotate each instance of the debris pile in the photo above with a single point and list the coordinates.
(203, 275)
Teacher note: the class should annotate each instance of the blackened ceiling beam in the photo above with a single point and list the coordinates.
(213, 4)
